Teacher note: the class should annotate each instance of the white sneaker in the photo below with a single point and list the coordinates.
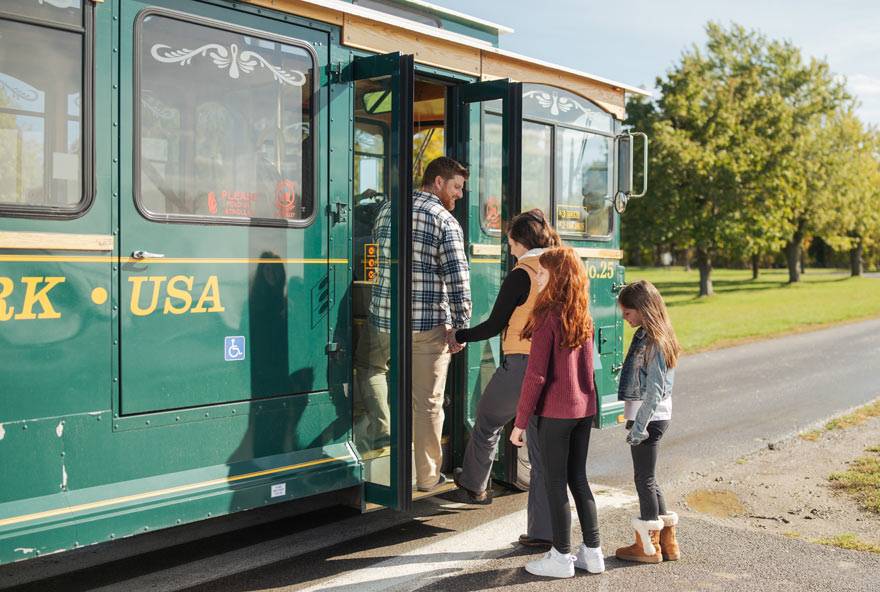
(553, 565)
(590, 559)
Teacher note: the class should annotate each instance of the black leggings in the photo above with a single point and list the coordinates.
(564, 445)
(651, 503)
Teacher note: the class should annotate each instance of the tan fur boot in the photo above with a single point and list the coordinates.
(668, 543)
(646, 549)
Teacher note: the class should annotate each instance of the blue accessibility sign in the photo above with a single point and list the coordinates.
(233, 348)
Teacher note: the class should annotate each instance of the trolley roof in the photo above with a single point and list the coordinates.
(373, 30)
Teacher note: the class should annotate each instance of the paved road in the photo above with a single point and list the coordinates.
(730, 402)
(727, 404)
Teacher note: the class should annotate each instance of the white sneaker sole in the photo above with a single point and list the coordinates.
(539, 572)
(585, 568)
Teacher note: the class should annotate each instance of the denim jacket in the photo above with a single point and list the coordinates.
(644, 377)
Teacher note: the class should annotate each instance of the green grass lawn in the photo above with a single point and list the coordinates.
(743, 309)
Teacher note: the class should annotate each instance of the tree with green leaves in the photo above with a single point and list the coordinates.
(728, 133)
(852, 222)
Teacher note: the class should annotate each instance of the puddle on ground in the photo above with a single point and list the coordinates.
(720, 503)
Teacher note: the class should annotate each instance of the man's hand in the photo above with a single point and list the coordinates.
(454, 346)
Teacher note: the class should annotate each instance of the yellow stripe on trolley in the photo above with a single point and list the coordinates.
(485, 260)
(161, 492)
(235, 260)
(198, 260)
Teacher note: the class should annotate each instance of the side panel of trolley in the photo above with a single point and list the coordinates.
(169, 334)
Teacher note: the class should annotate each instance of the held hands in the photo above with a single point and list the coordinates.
(454, 346)
(516, 437)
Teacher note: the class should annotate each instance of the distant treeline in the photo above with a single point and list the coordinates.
(756, 159)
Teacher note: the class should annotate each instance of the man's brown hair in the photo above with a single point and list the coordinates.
(443, 167)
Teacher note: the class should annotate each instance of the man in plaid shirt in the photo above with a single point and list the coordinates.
(441, 303)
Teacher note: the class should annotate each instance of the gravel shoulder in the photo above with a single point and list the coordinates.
(784, 488)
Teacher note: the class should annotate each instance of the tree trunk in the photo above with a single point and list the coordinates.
(755, 269)
(704, 262)
(793, 256)
(855, 258)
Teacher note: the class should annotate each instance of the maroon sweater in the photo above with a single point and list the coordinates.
(559, 380)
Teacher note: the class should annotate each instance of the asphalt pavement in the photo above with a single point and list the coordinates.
(727, 403)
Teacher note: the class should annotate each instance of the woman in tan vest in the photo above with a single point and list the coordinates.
(528, 236)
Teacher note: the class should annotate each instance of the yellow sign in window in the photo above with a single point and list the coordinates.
(570, 219)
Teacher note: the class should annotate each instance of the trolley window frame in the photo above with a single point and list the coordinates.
(612, 227)
(87, 92)
(314, 121)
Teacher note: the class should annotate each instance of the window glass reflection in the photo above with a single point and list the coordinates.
(40, 140)
(537, 166)
(68, 12)
(583, 183)
(224, 124)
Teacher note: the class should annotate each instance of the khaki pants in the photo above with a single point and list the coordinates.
(430, 362)
(372, 415)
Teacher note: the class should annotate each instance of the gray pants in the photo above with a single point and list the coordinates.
(539, 526)
(496, 408)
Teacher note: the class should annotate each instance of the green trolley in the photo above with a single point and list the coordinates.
(187, 190)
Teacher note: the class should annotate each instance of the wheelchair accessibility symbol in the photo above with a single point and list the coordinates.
(233, 348)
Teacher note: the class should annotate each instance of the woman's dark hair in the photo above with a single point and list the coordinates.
(531, 230)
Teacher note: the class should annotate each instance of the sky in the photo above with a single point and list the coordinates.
(637, 40)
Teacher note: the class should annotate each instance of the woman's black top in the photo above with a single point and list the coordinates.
(514, 292)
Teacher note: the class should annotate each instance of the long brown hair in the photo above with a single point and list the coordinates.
(645, 298)
(566, 294)
(531, 230)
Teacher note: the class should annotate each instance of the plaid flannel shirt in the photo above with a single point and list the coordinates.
(441, 293)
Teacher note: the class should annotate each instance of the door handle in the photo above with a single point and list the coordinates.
(146, 255)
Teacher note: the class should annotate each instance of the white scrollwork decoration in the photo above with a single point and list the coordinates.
(236, 62)
(20, 94)
(557, 104)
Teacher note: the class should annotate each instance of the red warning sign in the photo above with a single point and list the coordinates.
(285, 198)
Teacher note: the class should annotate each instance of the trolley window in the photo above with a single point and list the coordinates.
(537, 166)
(369, 158)
(225, 124)
(68, 12)
(491, 152)
(42, 164)
(583, 188)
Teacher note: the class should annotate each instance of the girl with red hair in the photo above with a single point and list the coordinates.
(559, 388)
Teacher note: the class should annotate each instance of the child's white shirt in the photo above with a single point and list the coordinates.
(663, 410)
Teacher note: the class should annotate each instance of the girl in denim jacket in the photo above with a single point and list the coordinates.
(646, 381)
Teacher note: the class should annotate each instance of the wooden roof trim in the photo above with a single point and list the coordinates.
(500, 29)
(381, 37)
(383, 17)
(305, 9)
(432, 42)
(613, 83)
(610, 98)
